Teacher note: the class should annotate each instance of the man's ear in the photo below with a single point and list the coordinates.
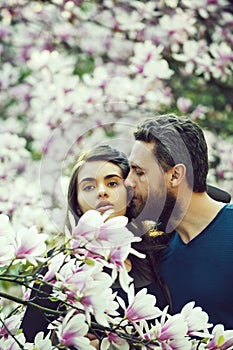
(177, 174)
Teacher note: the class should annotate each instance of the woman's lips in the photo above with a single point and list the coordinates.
(104, 206)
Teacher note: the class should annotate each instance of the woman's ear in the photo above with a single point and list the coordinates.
(177, 174)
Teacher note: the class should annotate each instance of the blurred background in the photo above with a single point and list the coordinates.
(78, 73)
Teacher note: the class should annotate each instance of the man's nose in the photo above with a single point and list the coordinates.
(129, 182)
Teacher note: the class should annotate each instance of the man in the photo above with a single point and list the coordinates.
(169, 166)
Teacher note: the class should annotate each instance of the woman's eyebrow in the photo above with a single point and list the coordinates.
(86, 179)
(92, 179)
(112, 175)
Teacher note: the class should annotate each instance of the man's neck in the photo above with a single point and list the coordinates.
(201, 211)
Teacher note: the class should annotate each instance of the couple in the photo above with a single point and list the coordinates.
(166, 183)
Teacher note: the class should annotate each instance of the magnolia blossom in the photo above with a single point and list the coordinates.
(26, 244)
(106, 238)
(10, 325)
(41, 342)
(178, 344)
(95, 229)
(222, 339)
(196, 319)
(54, 264)
(29, 245)
(78, 279)
(113, 341)
(75, 276)
(14, 343)
(141, 306)
(174, 327)
(72, 330)
(6, 248)
(146, 58)
(115, 61)
(184, 104)
(81, 283)
(199, 112)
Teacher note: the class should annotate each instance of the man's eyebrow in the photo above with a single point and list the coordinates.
(135, 166)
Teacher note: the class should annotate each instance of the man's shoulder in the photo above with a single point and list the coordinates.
(224, 219)
(228, 208)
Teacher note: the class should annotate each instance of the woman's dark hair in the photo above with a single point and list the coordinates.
(102, 152)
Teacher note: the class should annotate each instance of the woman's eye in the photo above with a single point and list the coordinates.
(88, 188)
(113, 184)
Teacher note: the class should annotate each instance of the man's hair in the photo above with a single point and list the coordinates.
(177, 140)
(102, 152)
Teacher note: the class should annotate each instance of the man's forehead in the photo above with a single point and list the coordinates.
(141, 153)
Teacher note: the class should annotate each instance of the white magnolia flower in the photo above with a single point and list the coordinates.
(41, 342)
(196, 318)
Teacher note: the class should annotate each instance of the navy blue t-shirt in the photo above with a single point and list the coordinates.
(202, 269)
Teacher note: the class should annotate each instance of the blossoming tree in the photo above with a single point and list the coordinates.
(84, 301)
(72, 68)
(74, 73)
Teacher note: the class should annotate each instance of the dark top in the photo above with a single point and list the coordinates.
(202, 270)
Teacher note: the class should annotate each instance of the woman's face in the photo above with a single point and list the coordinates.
(100, 186)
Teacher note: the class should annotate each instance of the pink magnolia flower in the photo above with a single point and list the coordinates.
(73, 278)
(174, 327)
(11, 325)
(113, 341)
(108, 239)
(199, 112)
(87, 229)
(100, 307)
(221, 340)
(117, 258)
(184, 104)
(29, 244)
(141, 306)
(11, 343)
(40, 342)
(93, 227)
(72, 330)
(6, 251)
(6, 229)
(196, 319)
(178, 344)
(7, 238)
(54, 264)
(81, 283)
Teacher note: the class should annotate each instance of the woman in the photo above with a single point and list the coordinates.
(97, 182)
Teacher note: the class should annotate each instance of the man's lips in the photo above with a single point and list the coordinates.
(104, 206)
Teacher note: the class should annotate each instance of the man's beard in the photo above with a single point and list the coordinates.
(156, 208)
(145, 209)
(167, 215)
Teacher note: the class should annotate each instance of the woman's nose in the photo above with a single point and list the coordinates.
(102, 192)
